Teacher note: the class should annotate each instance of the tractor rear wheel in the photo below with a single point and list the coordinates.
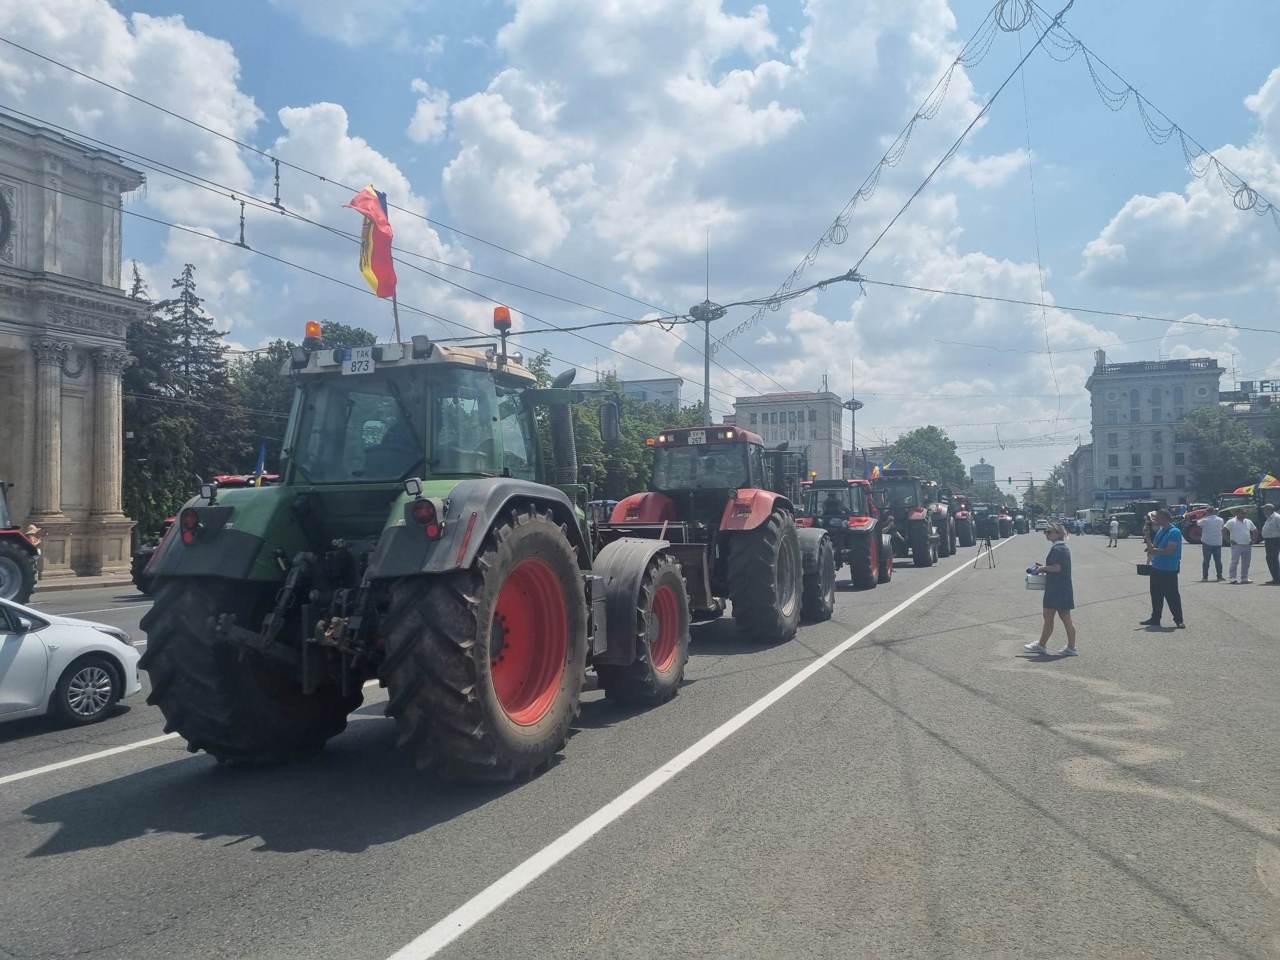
(818, 558)
(17, 572)
(885, 572)
(662, 640)
(922, 547)
(227, 700)
(864, 566)
(964, 533)
(765, 580)
(485, 666)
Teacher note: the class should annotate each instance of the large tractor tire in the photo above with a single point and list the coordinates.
(964, 533)
(884, 572)
(922, 548)
(864, 560)
(226, 700)
(944, 541)
(765, 580)
(818, 559)
(17, 572)
(485, 666)
(662, 640)
(1004, 528)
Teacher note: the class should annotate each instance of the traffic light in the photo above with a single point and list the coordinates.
(1011, 481)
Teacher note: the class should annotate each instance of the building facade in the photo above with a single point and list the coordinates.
(1256, 409)
(982, 472)
(658, 390)
(804, 420)
(63, 319)
(1078, 478)
(1135, 412)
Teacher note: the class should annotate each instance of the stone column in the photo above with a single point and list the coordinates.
(108, 429)
(46, 500)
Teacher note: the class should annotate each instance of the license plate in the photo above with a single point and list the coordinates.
(697, 436)
(359, 360)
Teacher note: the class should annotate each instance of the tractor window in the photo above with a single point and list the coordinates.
(713, 466)
(755, 459)
(464, 412)
(850, 501)
(518, 441)
(901, 492)
(354, 429)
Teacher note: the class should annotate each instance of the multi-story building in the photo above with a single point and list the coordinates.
(982, 472)
(658, 390)
(805, 420)
(1253, 407)
(1136, 409)
(1078, 478)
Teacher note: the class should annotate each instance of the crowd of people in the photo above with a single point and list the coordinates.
(1163, 546)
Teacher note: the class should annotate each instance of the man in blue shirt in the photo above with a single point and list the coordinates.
(1165, 553)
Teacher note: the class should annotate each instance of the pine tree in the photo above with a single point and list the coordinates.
(138, 288)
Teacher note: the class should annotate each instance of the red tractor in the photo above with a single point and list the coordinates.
(907, 500)
(18, 555)
(962, 513)
(1004, 522)
(1227, 505)
(735, 540)
(860, 533)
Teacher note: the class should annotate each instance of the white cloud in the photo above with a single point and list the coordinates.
(984, 172)
(352, 24)
(431, 115)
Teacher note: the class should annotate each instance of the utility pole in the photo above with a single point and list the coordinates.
(853, 405)
(704, 313)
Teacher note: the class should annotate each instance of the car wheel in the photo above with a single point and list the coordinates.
(86, 692)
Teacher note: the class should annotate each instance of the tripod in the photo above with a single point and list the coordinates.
(985, 548)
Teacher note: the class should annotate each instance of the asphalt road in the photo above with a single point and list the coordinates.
(931, 791)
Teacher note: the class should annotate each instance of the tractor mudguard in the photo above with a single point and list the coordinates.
(643, 508)
(750, 508)
(810, 540)
(621, 565)
(228, 541)
(471, 509)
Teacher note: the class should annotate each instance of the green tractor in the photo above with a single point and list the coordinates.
(417, 537)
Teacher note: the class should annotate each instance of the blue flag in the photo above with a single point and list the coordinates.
(261, 467)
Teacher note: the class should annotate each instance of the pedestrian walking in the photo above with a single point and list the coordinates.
(1239, 530)
(1210, 543)
(1059, 598)
(1271, 541)
(1114, 528)
(1165, 552)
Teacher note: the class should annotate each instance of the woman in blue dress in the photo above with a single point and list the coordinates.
(1059, 598)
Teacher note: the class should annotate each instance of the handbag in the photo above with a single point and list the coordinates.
(1144, 569)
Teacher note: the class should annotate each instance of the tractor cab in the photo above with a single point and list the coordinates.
(901, 494)
(836, 503)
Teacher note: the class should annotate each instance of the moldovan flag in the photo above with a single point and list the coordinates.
(375, 241)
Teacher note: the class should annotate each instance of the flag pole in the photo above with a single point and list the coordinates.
(395, 313)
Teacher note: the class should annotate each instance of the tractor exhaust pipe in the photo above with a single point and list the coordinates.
(564, 448)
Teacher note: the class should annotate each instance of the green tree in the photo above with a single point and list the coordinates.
(928, 452)
(1223, 453)
(990, 493)
(1048, 495)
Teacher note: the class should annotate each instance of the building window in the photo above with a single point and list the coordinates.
(1157, 482)
(1179, 481)
(773, 416)
(1177, 396)
(1135, 459)
(813, 433)
(1157, 438)
(1155, 396)
(1113, 415)
(1113, 439)
(1133, 398)
(1157, 459)
(1179, 460)
(1177, 413)
(753, 419)
(813, 415)
(1113, 483)
(1135, 481)
(1113, 460)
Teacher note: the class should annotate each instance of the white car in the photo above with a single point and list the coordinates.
(75, 670)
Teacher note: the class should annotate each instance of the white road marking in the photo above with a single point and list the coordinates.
(118, 607)
(111, 752)
(444, 932)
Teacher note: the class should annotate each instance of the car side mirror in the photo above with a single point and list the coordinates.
(609, 428)
(25, 625)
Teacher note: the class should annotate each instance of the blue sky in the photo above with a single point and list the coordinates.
(607, 138)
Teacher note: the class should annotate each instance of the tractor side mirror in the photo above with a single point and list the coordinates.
(586, 473)
(610, 431)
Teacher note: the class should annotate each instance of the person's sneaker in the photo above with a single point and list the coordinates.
(1148, 623)
(1204, 579)
(1220, 579)
(1034, 648)
(1067, 652)
(1246, 581)
(1180, 625)
(1235, 581)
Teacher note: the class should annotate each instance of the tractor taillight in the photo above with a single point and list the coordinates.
(804, 521)
(189, 522)
(424, 514)
(861, 523)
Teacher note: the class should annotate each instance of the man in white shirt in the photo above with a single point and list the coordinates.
(1239, 531)
(1210, 543)
(1115, 531)
(1271, 541)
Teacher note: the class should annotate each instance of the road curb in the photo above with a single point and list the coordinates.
(82, 583)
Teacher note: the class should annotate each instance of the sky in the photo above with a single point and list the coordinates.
(610, 139)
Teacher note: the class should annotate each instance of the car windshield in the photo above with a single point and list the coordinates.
(841, 501)
(904, 492)
(718, 466)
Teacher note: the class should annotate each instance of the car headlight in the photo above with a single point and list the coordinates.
(119, 634)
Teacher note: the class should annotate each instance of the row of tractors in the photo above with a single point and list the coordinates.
(417, 535)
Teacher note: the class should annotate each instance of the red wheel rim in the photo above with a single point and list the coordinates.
(666, 615)
(529, 641)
